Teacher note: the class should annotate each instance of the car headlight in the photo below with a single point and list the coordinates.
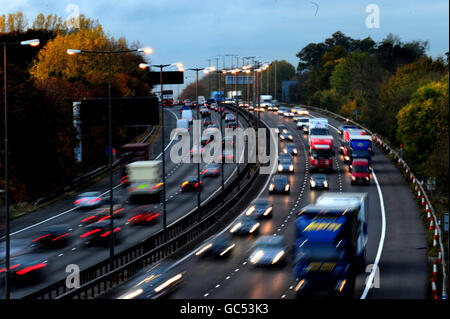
(300, 285)
(313, 183)
(267, 211)
(290, 137)
(278, 257)
(353, 178)
(203, 249)
(235, 227)
(325, 184)
(280, 168)
(340, 285)
(286, 188)
(250, 211)
(347, 158)
(285, 151)
(295, 151)
(255, 257)
(254, 227)
(367, 178)
(132, 294)
(271, 187)
(291, 168)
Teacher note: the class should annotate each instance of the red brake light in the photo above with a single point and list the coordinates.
(28, 269)
(94, 200)
(80, 201)
(56, 238)
(90, 232)
(41, 237)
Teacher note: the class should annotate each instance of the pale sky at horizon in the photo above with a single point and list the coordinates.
(195, 31)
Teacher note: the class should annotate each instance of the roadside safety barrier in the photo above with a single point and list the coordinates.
(421, 196)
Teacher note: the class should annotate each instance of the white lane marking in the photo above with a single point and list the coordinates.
(73, 208)
(226, 228)
(383, 234)
(381, 242)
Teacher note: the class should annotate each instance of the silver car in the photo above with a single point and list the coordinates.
(269, 251)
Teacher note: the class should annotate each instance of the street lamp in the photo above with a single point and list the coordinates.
(198, 145)
(146, 50)
(33, 43)
(180, 67)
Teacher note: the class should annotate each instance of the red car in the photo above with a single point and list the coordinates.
(146, 214)
(360, 171)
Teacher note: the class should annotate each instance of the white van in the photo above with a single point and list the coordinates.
(201, 100)
(187, 115)
(182, 125)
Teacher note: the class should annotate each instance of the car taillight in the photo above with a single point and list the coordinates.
(31, 268)
(41, 237)
(80, 201)
(61, 236)
(94, 200)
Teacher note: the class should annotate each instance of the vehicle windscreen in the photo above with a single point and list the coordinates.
(360, 169)
(319, 131)
(321, 153)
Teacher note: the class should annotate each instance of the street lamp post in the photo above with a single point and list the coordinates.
(161, 67)
(198, 145)
(110, 146)
(33, 43)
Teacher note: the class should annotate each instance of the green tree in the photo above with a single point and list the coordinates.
(423, 130)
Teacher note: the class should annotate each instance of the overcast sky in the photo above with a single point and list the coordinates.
(193, 31)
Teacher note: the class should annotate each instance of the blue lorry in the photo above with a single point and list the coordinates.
(217, 96)
(330, 244)
(360, 146)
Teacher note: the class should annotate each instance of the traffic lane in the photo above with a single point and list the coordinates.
(403, 267)
(289, 232)
(373, 217)
(224, 277)
(181, 206)
(66, 204)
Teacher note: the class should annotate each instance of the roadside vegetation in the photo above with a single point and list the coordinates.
(43, 82)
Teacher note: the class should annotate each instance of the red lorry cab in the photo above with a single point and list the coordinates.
(360, 171)
(321, 152)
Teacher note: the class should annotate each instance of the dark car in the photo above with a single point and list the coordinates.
(279, 184)
(285, 164)
(218, 247)
(286, 135)
(205, 140)
(104, 213)
(269, 251)
(88, 200)
(260, 208)
(290, 148)
(318, 181)
(245, 225)
(281, 129)
(25, 266)
(229, 117)
(207, 121)
(98, 233)
(191, 184)
(211, 170)
(204, 111)
(232, 124)
(156, 282)
(54, 236)
(144, 215)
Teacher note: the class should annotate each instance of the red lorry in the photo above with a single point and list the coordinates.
(321, 152)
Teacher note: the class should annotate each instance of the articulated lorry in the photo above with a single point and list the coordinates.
(321, 152)
(330, 244)
(130, 153)
(144, 180)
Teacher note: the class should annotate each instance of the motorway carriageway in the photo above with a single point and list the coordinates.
(396, 236)
(62, 212)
